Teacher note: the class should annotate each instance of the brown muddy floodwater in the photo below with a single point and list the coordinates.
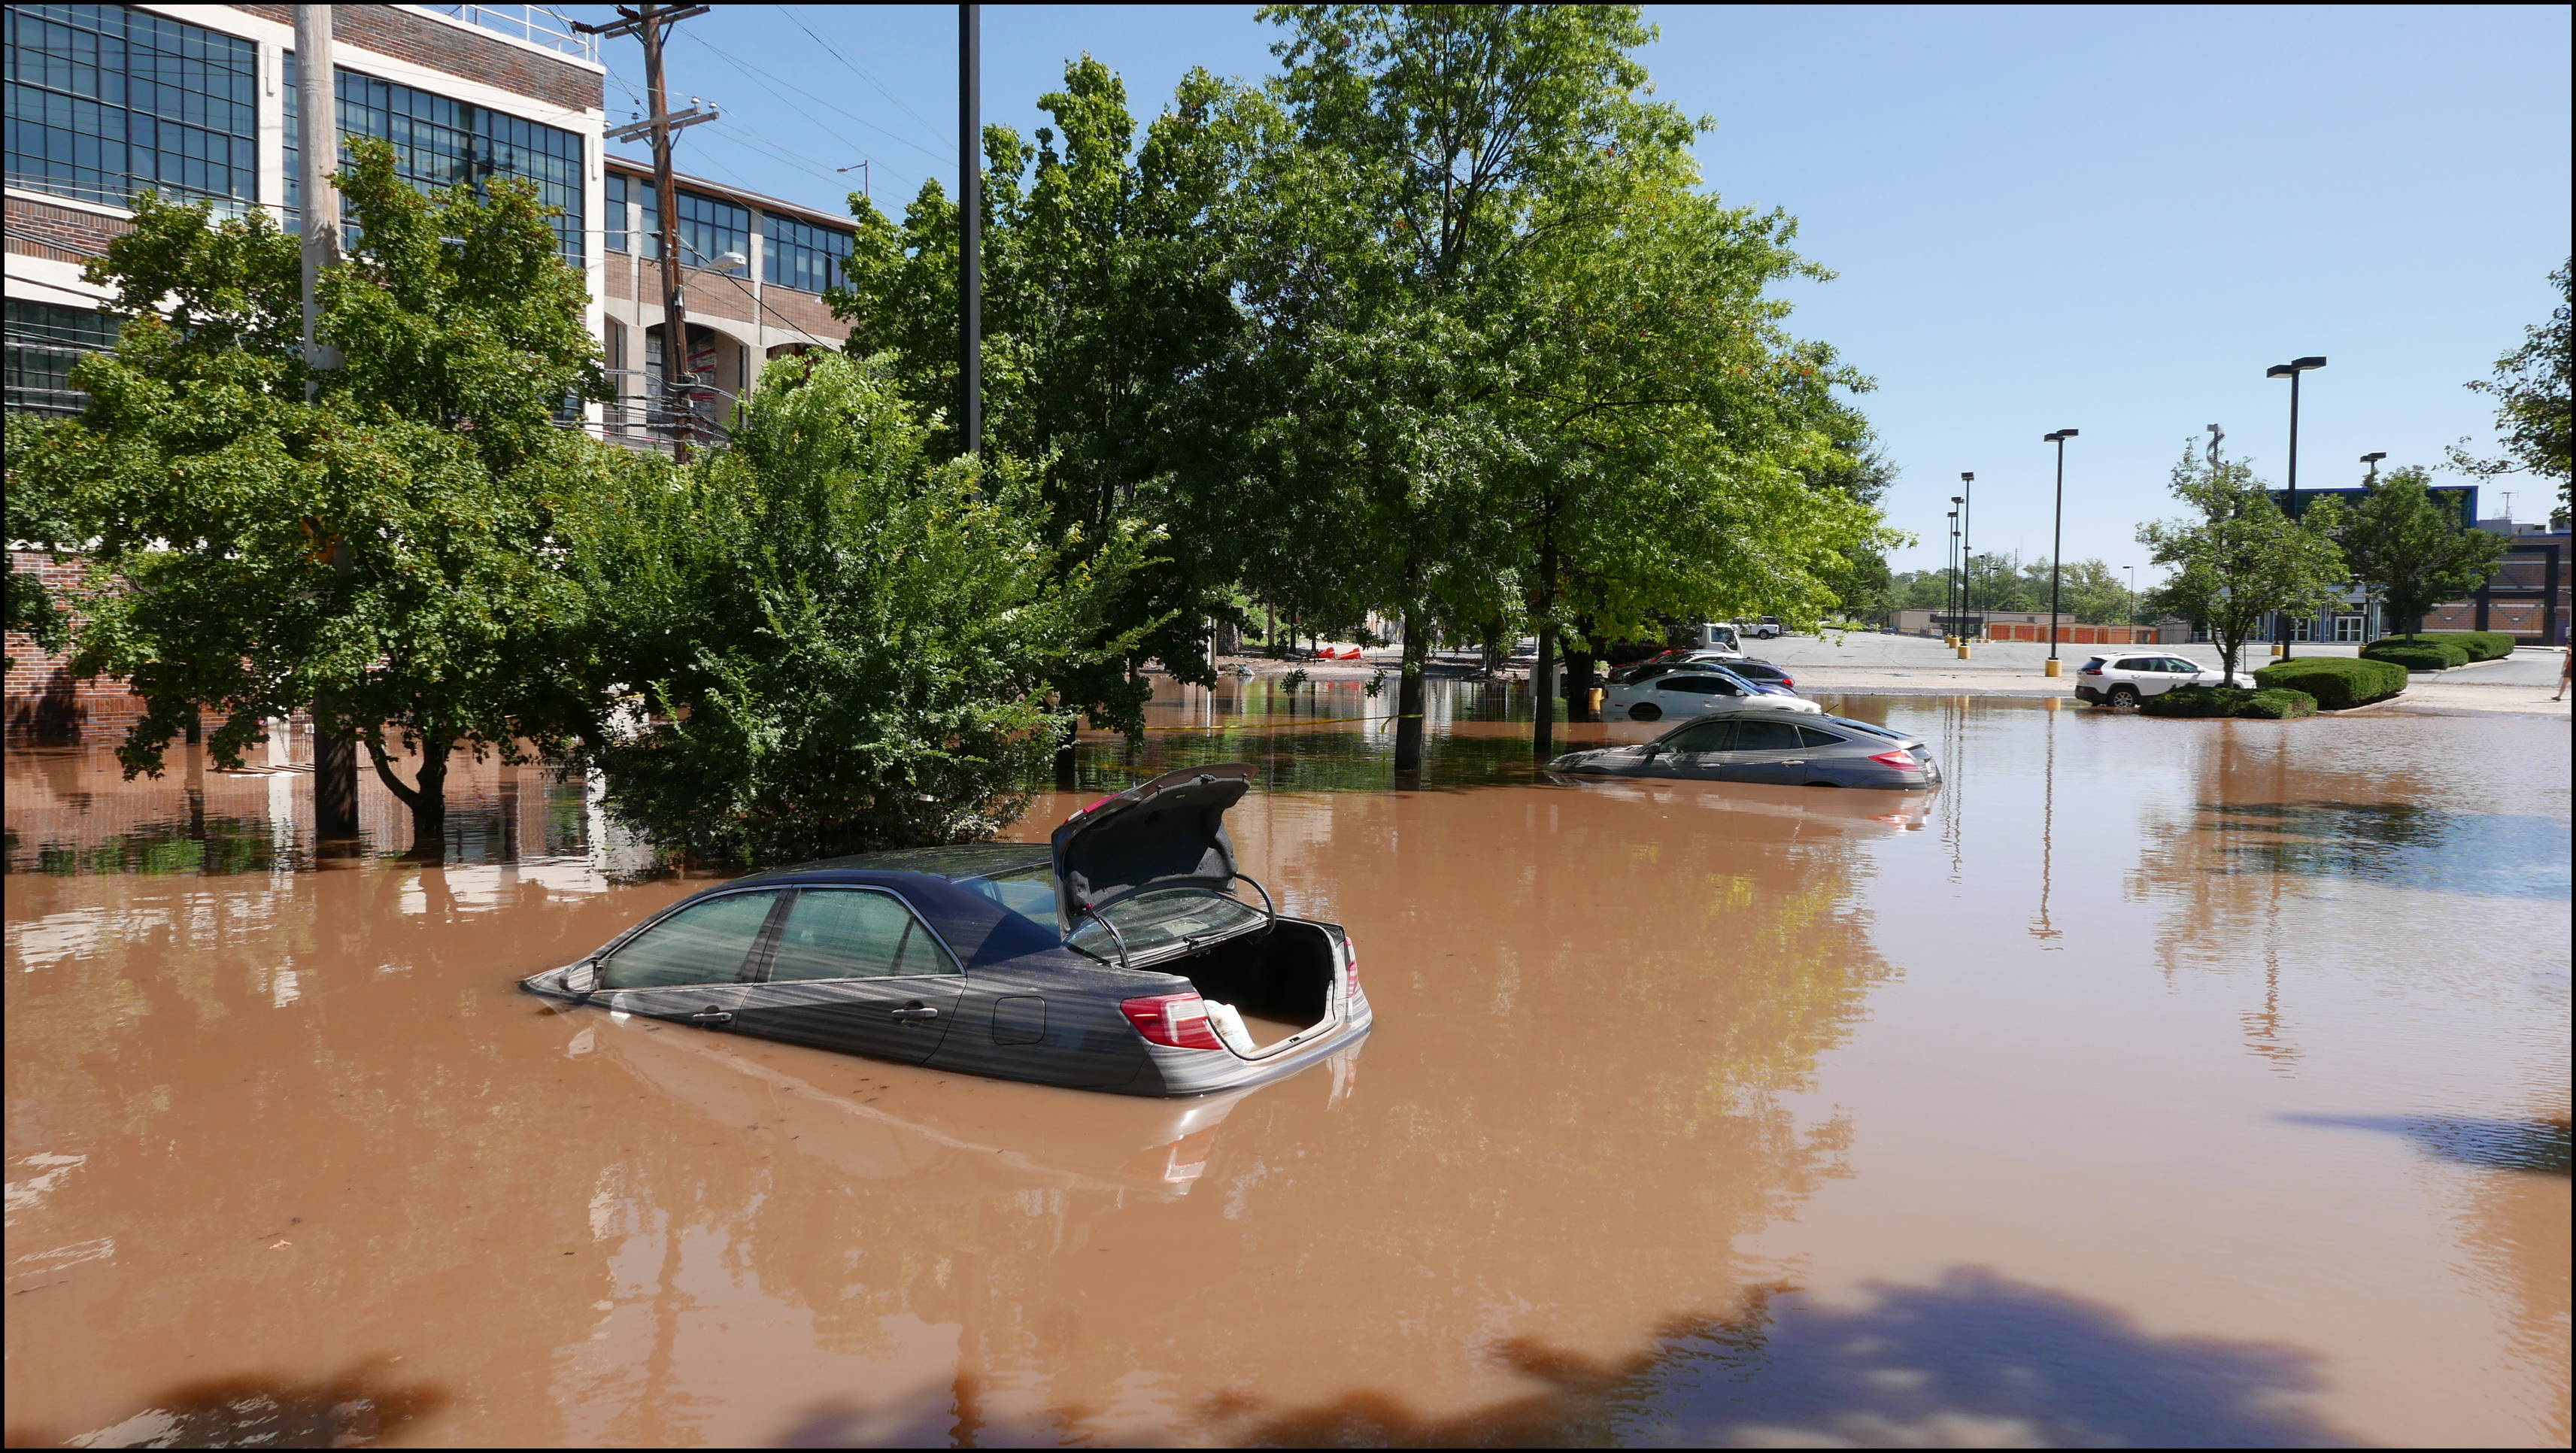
(2155, 1083)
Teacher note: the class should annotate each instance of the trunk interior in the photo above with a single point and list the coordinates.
(1280, 981)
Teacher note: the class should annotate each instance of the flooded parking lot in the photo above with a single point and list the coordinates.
(2153, 1083)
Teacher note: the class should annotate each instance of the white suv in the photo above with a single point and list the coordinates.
(2126, 680)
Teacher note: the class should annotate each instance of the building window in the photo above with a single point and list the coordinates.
(45, 340)
(2348, 627)
(106, 101)
(709, 229)
(623, 189)
(798, 255)
(440, 143)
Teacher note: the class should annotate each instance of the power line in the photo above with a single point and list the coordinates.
(756, 72)
(864, 76)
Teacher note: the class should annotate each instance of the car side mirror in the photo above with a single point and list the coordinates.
(582, 979)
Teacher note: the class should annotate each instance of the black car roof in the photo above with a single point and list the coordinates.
(956, 862)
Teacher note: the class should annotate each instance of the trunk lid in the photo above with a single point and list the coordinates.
(1166, 833)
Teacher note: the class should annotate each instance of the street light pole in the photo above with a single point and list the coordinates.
(2056, 542)
(1950, 581)
(2291, 370)
(1967, 549)
(970, 229)
(2373, 461)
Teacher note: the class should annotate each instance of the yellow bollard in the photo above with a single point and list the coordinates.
(1963, 650)
(2276, 650)
(1596, 701)
(2053, 664)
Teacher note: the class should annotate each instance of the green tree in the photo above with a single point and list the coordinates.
(384, 555)
(2530, 387)
(2411, 551)
(1106, 315)
(34, 522)
(2241, 559)
(1509, 364)
(844, 644)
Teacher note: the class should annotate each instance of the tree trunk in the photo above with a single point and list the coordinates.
(1543, 674)
(1064, 756)
(1579, 667)
(1408, 697)
(428, 800)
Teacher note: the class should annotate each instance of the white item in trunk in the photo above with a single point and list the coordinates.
(1228, 1024)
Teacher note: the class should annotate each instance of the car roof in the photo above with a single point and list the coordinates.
(956, 862)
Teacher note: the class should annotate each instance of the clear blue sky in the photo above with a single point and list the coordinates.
(2109, 219)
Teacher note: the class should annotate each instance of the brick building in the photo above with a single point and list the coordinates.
(198, 102)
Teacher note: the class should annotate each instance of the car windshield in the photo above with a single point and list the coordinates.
(1146, 921)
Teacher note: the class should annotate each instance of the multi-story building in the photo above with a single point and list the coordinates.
(197, 102)
(740, 314)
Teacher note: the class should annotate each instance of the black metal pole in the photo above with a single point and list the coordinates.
(1967, 548)
(2294, 489)
(970, 230)
(2056, 548)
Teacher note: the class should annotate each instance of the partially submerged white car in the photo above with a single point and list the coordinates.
(1701, 689)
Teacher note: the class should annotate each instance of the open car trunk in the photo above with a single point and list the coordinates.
(1280, 982)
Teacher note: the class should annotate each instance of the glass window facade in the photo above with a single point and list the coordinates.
(623, 189)
(439, 143)
(709, 229)
(799, 255)
(105, 102)
(45, 340)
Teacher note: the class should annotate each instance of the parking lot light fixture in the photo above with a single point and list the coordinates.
(2291, 371)
(2056, 542)
(2373, 461)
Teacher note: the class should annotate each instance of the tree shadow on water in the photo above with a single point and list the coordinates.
(354, 1409)
(1974, 1360)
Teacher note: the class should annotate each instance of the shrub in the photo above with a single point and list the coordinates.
(2336, 682)
(2207, 701)
(2481, 645)
(2417, 655)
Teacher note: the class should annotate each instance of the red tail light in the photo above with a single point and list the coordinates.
(1351, 967)
(1112, 797)
(2089, 670)
(1785, 681)
(1179, 1020)
(1901, 759)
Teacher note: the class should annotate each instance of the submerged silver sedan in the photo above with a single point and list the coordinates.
(1805, 751)
(1113, 957)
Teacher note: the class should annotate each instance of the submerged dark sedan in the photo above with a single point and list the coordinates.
(1114, 957)
(1803, 751)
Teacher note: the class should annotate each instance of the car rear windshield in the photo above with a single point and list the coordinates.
(1146, 921)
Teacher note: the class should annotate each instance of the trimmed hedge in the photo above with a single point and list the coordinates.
(2419, 655)
(2481, 645)
(2271, 704)
(2336, 682)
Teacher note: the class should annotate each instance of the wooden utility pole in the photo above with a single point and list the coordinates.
(647, 24)
(317, 134)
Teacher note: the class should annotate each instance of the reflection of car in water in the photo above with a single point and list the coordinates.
(995, 1135)
(1113, 958)
(1756, 813)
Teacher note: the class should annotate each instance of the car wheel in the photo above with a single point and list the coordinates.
(2124, 696)
(1644, 711)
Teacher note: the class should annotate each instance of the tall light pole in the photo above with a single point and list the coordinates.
(2056, 542)
(1966, 550)
(1950, 592)
(2373, 461)
(317, 121)
(2291, 371)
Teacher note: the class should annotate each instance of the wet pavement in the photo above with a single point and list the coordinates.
(2153, 1083)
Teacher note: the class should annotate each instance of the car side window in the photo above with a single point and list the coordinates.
(1765, 736)
(2182, 668)
(704, 943)
(1811, 738)
(1707, 736)
(2135, 664)
(855, 933)
(1689, 685)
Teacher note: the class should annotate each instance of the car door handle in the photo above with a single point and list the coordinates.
(711, 1015)
(915, 1012)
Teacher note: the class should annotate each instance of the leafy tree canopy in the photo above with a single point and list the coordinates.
(2240, 558)
(2412, 551)
(2530, 387)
